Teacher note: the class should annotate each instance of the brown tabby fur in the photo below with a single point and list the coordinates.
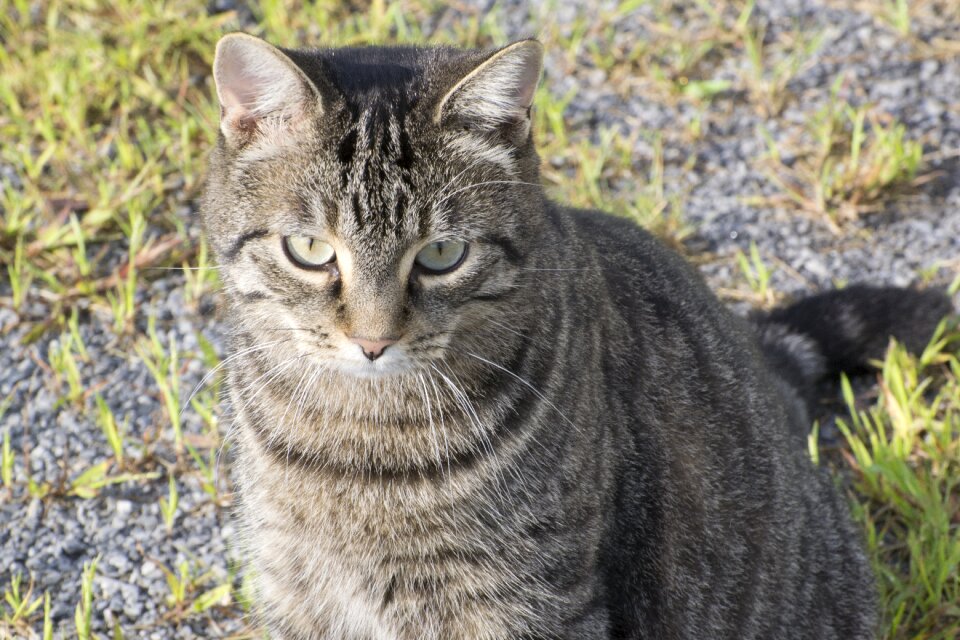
(572, 437)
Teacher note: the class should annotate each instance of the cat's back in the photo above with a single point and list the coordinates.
(709, 463)
(651, 288)
(632, 255)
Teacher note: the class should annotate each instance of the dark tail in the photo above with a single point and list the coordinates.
(842, 330)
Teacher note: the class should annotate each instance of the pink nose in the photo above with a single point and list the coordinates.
(373, 349)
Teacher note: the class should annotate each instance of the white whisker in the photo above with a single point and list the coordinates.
(223, 363)
(505, 327)
(464, 401)
(529, 386)
(433, 431)
(273, 372)
(443, 424)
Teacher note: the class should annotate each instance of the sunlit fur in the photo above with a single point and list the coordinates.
(571, 437)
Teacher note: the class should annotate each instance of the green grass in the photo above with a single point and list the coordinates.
(903, 16)
(107, 132)
(757, 275)
(193, 591)
(848, 161)
(678, 62)
(19, 605)
(770, 72)
(83, 616)
(107, 113)
(904, 453)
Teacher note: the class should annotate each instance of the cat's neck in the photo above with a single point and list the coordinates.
(415, 423)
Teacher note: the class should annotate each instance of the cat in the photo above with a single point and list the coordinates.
(464, 411)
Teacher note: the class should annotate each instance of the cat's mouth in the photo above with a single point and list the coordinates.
(351, 361)
(386, 358)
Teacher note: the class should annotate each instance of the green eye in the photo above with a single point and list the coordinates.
(442, 257)
(308, 252)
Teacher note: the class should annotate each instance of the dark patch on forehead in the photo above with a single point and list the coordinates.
(367, 75)
(360, 69)
(381, 89)
(347, 148)
(378, 171)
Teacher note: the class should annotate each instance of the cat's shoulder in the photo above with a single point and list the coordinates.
(621, 243)
(638, 269)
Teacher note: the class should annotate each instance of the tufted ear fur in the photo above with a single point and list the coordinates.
(499, 92)
(262, 92)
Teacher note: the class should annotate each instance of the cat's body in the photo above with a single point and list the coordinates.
(569, 436)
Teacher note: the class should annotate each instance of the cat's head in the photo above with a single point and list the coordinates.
(373, 207)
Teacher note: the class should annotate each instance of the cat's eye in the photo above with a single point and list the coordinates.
(308, 252)
(441, 257)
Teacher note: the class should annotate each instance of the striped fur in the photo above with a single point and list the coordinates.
(572, 438)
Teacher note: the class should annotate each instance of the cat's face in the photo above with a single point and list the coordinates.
(372, 216)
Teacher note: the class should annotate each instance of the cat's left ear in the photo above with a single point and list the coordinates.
(262, 92)
(498, 93)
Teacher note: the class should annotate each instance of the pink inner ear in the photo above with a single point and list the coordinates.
(231, 102)
(238, 84)
(527, 83)
(255, 82)
(234, 114)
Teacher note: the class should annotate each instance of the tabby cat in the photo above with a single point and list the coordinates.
(465, 411)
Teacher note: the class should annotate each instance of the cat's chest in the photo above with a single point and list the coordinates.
(438, 556)
(343, 594)
(407, 563)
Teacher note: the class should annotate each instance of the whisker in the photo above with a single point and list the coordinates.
(528, 385)
(433, 431)
(180, 268)
(443, 424)
(464, 401)
(302, 389)
(223, 363)
(505, 327)
(273, 372)
(469, 166)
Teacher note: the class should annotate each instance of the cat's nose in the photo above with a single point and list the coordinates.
(374, 348)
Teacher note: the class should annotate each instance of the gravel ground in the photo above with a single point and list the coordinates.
(123, 525)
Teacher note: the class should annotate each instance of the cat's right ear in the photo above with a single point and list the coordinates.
(261, 91)
(498, 93)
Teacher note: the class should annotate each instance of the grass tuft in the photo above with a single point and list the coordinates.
(904, 451)
(770, 72)
(19, 607)
(757, 275)
(851, 161)
(83, 615)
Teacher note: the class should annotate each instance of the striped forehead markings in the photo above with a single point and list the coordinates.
(376, 154)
